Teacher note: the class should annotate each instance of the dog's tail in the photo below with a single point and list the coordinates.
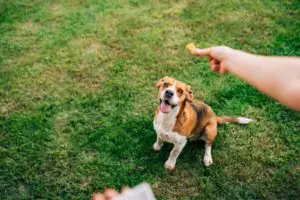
(238, 120)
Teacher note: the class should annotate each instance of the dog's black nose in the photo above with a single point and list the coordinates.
(169, 93)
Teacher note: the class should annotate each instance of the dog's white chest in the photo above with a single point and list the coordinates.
(164, 124)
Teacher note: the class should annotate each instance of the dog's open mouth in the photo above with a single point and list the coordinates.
(165, 106)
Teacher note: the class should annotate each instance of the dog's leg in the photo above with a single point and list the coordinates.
(207, 156)
(178, 146)
(210, 135)
(158, 144)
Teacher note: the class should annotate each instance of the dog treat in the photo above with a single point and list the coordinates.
(191, 47)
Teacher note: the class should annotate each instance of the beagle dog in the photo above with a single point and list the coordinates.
(179, 118)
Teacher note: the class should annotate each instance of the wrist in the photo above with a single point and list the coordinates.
(238, 59)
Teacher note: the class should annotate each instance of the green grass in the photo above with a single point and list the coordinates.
(78, 96)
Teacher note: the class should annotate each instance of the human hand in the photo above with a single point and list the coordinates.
(141, 191)
(109, 194)
(220, 57)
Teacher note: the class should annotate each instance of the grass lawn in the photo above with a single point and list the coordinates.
(77, 88)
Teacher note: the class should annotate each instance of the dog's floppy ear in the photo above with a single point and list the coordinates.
(161, 81)
(190, 95)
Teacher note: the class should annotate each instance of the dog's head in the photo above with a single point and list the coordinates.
(172, 93)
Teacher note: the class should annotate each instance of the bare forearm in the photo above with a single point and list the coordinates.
(278, 77)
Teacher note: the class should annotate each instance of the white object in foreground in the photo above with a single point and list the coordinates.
(140, 192)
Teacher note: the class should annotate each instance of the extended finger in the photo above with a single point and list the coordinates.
(202, 52)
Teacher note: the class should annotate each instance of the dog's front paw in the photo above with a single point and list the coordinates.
(156, 146)
(169, 165)
(207, 161)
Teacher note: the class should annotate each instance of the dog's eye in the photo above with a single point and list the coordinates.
(180, 91)
(166, 85)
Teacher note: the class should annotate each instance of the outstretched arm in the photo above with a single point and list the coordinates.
(278, 77)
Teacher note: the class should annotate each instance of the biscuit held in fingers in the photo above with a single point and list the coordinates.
(192, 48)
(199, 52)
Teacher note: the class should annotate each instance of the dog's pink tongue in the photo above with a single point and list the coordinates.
(165, 108)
